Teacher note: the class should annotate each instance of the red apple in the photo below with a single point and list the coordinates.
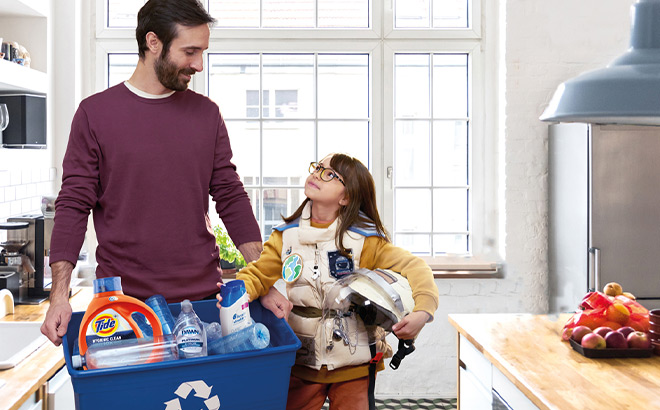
(638, 340)
(579, 332)
(593, 341)
(616, 340)
(603, 330)
(626, 330)
(566, 334)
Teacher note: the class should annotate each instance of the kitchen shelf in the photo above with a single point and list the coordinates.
(14, 77)
(24, 8)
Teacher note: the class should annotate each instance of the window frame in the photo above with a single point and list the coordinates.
(475, 129)
(381, 41)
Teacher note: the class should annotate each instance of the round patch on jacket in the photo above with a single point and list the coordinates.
(292, 268)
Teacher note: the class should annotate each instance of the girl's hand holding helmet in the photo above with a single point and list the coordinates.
(411, 324)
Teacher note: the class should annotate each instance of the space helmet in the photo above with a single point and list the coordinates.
(380, 298)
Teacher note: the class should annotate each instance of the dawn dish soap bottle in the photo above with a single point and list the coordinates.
(190, 333)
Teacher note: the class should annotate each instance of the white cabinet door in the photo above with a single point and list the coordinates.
(60, 391)
(475, 377)
(32, 403)
(473, 394)
(510, 393)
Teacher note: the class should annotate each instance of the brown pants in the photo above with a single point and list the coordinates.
(349, 395)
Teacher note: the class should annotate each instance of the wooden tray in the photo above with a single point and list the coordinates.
(610, 353)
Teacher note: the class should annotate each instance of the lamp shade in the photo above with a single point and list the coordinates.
(627, 91)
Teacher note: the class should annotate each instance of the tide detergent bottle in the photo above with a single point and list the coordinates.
(108, 316)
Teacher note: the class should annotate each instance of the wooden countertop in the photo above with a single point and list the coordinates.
(528, 350)
(30, 374)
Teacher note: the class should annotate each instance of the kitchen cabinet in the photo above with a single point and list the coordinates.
(475, 377)
(59, 392)
(41, 379)
(55, 394)
(26, 22)
(523, 360)
(34, 402)
(480, 382)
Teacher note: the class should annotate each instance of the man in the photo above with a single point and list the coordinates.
(145, 155)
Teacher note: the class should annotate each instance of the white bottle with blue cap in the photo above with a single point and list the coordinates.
(235, 311)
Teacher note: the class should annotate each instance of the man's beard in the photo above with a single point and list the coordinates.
(168, 74)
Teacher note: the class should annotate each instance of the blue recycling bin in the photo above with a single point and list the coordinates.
(246, 380)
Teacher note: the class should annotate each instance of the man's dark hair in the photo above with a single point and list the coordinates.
(162, 16)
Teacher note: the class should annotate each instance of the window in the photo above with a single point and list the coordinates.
(399, 85)
(311, 104)
(431, 153)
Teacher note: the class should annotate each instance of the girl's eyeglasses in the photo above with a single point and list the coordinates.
(326, 174)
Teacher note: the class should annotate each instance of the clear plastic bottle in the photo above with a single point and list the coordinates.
(159, 305)
(213, 331)
(143, 324)
(127, 352)
(254, 337)
(189, 332)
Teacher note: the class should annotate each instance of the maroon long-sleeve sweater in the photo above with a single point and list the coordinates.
(146, 168)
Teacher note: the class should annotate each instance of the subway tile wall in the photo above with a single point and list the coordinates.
(21, 190)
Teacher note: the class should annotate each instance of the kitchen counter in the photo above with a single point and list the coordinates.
(527, 350)
(32, 373)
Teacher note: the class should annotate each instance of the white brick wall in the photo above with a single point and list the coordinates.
(546, 43)
(21, 190)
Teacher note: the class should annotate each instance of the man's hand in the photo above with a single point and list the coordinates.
(57, 321)
(277, 303)
(59, 311)
(410, 326)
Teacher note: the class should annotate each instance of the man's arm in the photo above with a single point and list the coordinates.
(251, 250)
(59, 311)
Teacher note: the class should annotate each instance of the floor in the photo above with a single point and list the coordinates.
(412, 404)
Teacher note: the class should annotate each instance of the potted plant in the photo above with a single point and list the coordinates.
(230, 256)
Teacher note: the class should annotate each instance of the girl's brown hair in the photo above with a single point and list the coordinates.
(361, 210)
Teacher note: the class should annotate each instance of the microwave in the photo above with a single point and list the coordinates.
(27, 121)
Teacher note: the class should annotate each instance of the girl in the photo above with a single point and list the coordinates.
(335, 231)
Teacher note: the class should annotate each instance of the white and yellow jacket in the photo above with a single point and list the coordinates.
(315, 247)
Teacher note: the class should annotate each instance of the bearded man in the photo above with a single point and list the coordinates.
(143, 157)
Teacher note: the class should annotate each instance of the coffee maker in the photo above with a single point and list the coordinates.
(13, 263)
(33, 280)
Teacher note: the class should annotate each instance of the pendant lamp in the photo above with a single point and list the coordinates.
(627, 91)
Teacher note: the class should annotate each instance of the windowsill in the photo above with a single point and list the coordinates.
(444, 267)
(460, 267)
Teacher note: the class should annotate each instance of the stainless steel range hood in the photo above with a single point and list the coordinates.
(627, 91)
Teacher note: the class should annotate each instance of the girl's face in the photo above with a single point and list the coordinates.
(329, 193)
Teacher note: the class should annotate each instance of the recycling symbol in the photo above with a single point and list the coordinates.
(201, 389)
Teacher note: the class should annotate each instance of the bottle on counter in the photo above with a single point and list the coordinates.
(127, 352)
(189, 332)
(254, 337)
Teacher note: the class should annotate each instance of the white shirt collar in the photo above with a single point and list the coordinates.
(142, 94)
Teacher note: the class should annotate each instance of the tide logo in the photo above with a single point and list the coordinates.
(104, 325)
